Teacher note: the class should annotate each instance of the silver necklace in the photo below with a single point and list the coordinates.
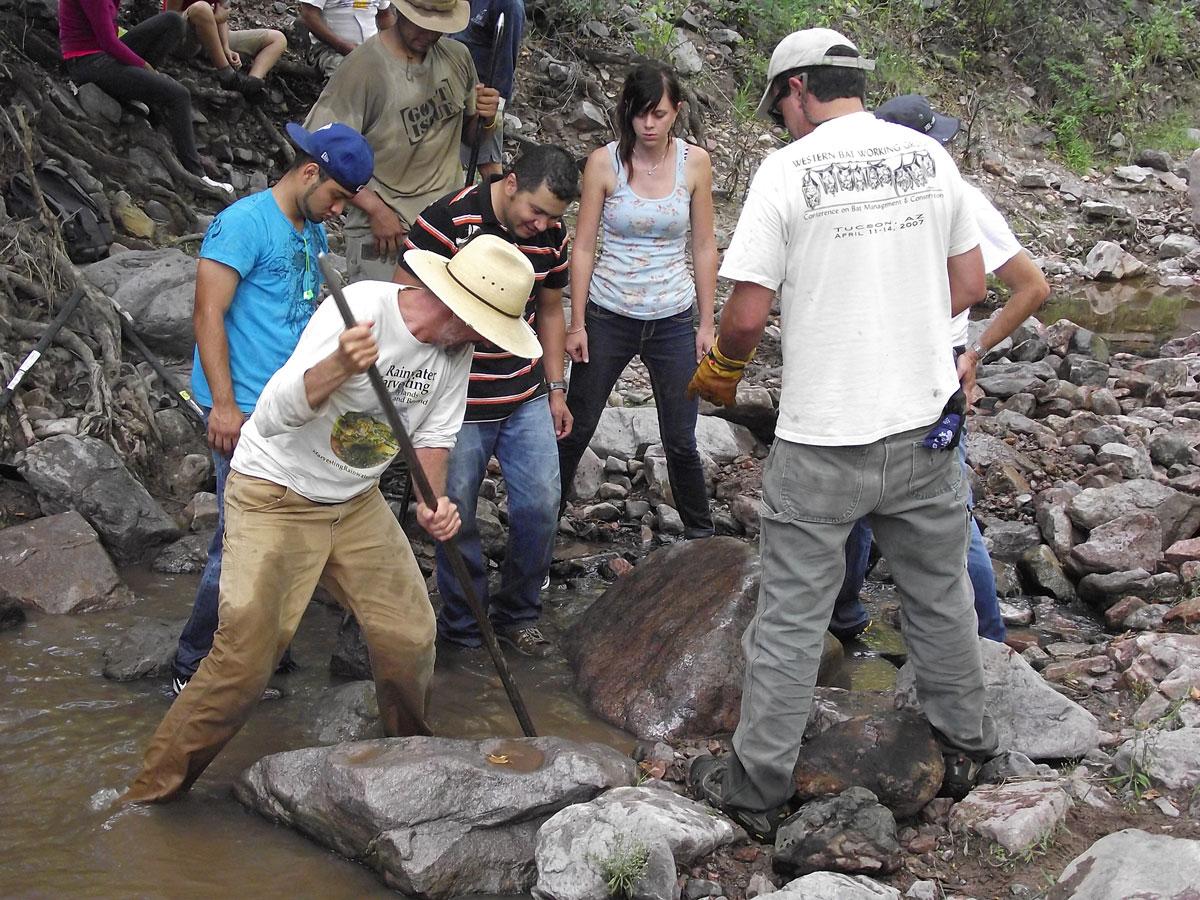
(654, 168)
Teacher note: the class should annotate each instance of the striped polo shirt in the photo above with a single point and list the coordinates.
(500, 382)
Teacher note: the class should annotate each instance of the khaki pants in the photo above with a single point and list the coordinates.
(278, 545)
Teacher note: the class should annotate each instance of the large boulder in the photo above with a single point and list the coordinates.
(659, 652)
(1132, 863)
(1170, 758)
(581, 843)
(624, 431)
(56, 564)
(1131, 541)
(435, 817)
(157, 288)
(85, 474)
(892, 754)
(1030, 716)
(1178, 513)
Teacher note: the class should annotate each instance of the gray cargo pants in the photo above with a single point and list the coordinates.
(914, 499)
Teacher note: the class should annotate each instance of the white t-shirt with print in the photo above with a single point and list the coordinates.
(338, 450)
(998, 245)
(852, 226)
(351, 20)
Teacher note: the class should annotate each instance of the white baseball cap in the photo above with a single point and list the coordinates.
(809, 47)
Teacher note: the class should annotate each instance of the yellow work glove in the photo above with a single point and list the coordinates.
(716, 378)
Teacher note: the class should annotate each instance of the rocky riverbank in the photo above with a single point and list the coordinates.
(1084, 465)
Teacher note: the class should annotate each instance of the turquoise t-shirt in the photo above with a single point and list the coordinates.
(279, 290)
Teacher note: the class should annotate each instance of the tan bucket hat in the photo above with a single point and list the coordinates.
(446, 16)
(486, 284)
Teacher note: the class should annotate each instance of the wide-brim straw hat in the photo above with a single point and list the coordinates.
(446, 16)
(486, 284)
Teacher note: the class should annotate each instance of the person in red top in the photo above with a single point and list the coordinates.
(209, 22)
(124, 67)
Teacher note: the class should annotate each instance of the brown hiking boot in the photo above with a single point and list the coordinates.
(527, 640)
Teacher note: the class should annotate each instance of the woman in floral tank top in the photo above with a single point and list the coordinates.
(644, 193)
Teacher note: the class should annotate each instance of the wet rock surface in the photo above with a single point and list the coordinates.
(87, 475)
(57, 565)
(147, 650)
(849, 833)
(434, 816)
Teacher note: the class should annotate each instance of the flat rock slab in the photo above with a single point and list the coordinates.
(659, 653)
(56, 564)
(892, 754)
(1132, 863)
(575, 847)
(1178, 513)
(145, 650)
(834, 886)
(87, 475)
(1030, 716)
(1170, 758)
(624, 431)
(435, 817)
(1016, 816)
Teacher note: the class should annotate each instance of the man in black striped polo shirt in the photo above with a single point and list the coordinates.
(516, 409)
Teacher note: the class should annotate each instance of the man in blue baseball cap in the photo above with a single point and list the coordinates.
(257, 285)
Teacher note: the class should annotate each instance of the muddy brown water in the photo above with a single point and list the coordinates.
(69, 738)
(1134, 316)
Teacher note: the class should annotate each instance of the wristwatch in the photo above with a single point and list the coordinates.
(556, 385)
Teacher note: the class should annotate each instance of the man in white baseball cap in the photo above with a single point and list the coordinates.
(861, 228)
(303, 506)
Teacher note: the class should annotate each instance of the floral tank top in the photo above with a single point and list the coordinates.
(642, 271)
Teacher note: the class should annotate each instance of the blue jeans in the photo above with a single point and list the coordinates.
(668, 348)
(849, 614)
(197, 637)
(526, 448)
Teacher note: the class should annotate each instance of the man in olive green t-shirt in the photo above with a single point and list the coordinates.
(415, 98)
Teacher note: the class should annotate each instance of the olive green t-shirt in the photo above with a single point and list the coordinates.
(412, 116)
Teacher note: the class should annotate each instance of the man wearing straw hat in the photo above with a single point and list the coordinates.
(302, 503)
(414, 97)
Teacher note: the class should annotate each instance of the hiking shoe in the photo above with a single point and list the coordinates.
(545, 582)
(179, 682)
(706, 778)
(527, 640)
(253, 87)
(854, 631)
(287, 665)
(231, 79)
(962, 774)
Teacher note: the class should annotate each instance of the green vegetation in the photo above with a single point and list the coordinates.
(624, 866)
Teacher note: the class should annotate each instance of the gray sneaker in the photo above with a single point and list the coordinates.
(527, 640)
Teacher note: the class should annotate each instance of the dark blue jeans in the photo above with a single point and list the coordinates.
(526, 448)
(668, 348)
(197, 637)
(848, 611)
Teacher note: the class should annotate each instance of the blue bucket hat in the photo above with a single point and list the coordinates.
(340, 150)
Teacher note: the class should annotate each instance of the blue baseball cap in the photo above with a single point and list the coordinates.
(913, 111)
(339, 150)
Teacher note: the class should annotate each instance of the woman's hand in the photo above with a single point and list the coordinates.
(705, 338)
(577, 345)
